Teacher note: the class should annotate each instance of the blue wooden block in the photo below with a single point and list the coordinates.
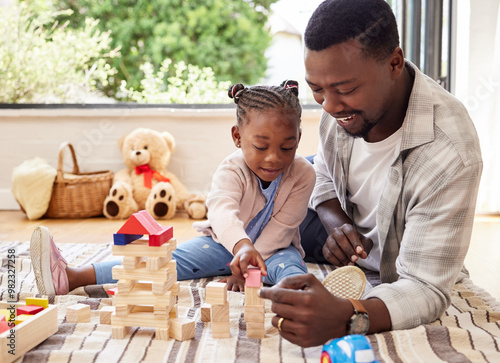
(124, 239)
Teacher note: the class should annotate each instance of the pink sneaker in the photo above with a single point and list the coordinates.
(48, 264)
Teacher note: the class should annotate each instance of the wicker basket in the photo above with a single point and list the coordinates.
(78, 195)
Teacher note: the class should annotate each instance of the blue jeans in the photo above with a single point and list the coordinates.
(202, 257)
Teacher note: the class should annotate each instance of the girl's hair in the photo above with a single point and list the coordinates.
(265, 98)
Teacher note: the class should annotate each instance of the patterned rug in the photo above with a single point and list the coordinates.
(469, 331)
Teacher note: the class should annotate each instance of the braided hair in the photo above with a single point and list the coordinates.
(264, 98)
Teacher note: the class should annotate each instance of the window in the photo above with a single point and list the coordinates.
(425, 33)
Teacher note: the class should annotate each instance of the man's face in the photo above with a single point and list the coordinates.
(354, 89)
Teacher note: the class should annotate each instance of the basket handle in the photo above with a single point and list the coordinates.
(62, 149)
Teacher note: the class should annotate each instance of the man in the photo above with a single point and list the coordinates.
(398, 169)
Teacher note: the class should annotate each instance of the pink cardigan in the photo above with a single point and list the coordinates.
(235, 199)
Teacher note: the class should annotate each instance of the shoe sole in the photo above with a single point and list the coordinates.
(40, 259)
(348, 282)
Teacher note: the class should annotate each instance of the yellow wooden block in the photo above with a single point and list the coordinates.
(39, 301)
(22, 318)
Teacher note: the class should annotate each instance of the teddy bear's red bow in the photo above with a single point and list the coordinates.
(149, 175)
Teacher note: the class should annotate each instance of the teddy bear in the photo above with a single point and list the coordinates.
(146, 183)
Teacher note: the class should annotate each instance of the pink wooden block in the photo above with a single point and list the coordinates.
(29, 309)
(254, 278)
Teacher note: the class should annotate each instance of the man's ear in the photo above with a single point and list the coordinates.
(397, 62)
(235, 133)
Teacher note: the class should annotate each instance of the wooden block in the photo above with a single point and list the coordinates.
(254, 278)
(182, 329)
(121, 239)
(142, 294)
(162, 334)
(28, 334)
(155, 263)
(131, 263)
(219, 312)
(173, 313)
(140, 222)
(125, 286)
(205, 312)
(176, 288)
(254, 313)
(43, 302)
(221, 329)
(141, 248)
(216, 293)
(78, 313)
(140, 273)
(4, 326)
(22, 318)
(140, 318)
(112, 291)
(29, 309)
(122, 309)
(105, 314)
(251, 297)
(119, 332)
(173, 244)
(256, 330)
(161, 237)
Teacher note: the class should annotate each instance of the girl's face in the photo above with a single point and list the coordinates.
(269, 140)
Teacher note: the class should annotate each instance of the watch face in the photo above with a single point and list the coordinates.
(359, 324)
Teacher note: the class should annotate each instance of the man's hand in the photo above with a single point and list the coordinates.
(345, 245)
(311, 314)
(245, 255)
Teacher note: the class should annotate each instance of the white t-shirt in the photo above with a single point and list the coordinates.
(368, 169)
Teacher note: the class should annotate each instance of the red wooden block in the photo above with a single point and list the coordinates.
(112, 291)
(140, 223)
(164, 236)
(29, 310)
(254, 278)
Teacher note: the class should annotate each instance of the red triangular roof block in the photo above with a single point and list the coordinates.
(141, 223)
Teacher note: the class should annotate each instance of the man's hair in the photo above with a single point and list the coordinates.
(265, 98)
(371, 22)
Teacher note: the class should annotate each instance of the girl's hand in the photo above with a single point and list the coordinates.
(234, 284)
(245, 254)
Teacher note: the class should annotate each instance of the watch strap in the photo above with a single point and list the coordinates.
(358, 306)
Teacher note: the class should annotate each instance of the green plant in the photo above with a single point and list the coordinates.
(228, 36)
(189, 84)
(42, 61)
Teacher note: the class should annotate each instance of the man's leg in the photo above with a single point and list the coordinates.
(313, 237)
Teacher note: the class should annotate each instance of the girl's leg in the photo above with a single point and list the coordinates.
(201, 257)
(285, 262)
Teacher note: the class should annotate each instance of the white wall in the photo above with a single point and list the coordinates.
(202, 136)
(477, 85)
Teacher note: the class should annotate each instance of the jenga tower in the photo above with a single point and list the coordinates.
(216, 298)
(254, 305)
(147, 286)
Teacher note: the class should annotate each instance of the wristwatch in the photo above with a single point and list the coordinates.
(359, 322)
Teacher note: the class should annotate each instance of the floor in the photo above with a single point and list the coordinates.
(482, 261)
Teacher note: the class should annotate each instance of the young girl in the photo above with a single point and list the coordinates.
(258, 199)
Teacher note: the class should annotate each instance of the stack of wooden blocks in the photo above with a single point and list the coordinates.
(254, 305)
(216, 309)
(147, 288)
